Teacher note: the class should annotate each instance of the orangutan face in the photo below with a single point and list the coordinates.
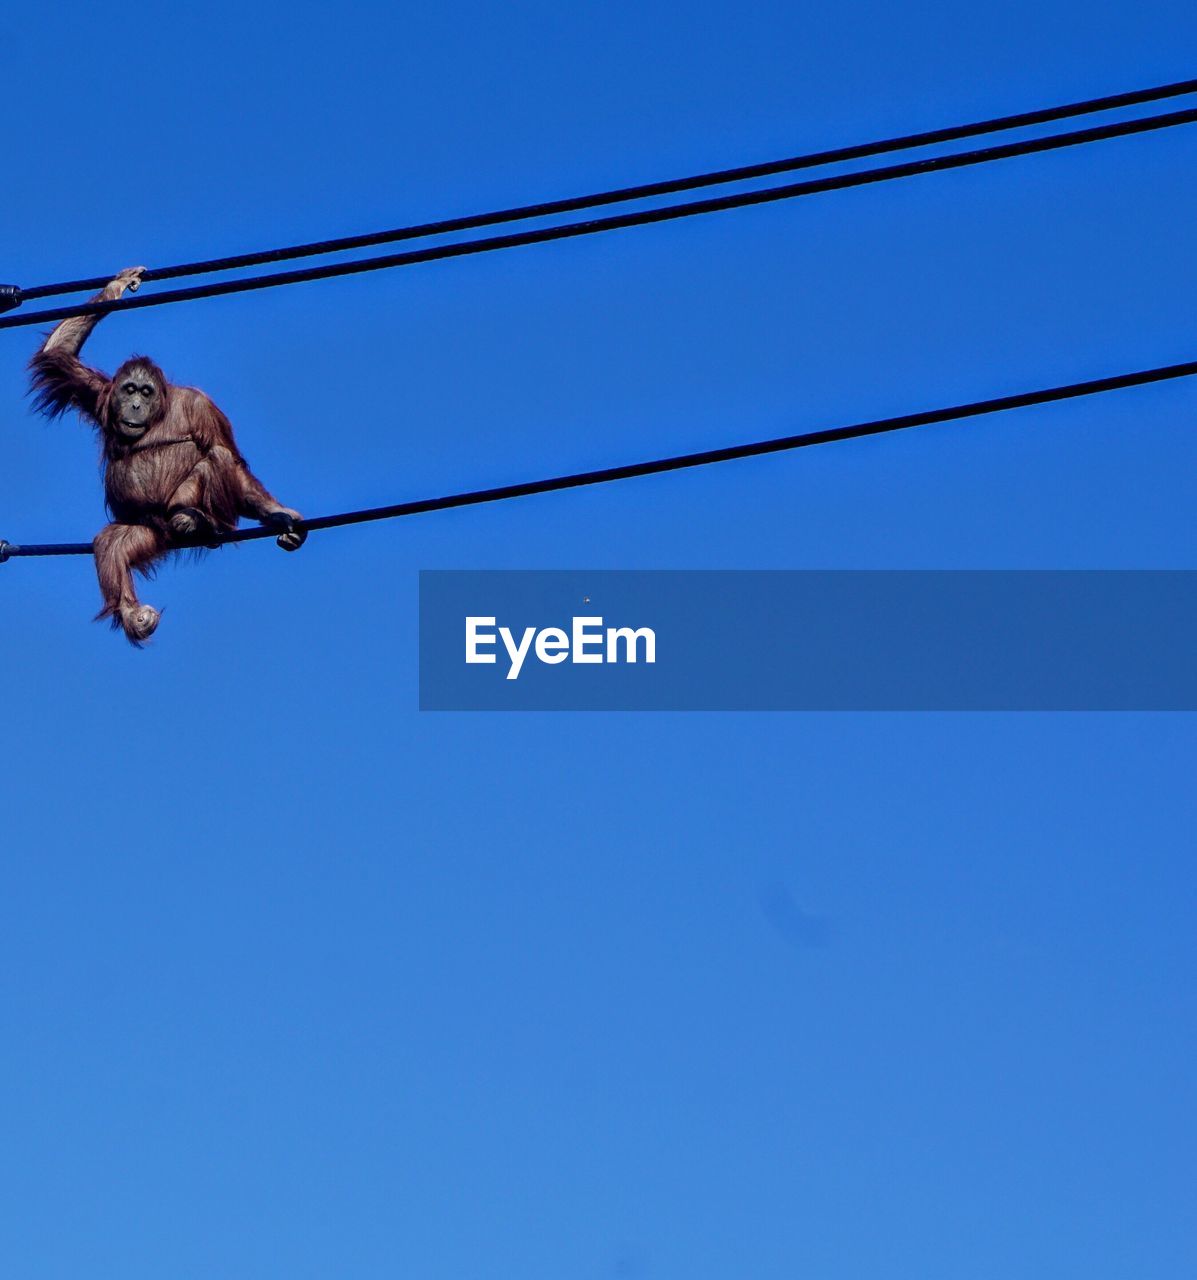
(137, 402)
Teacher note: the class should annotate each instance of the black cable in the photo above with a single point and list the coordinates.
(644, 217)
(471, 222)
(679, 462)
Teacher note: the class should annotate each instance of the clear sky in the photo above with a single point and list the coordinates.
(296, 981)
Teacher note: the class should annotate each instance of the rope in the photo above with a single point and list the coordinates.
(665, 213)
(678, 462)
(671, 186)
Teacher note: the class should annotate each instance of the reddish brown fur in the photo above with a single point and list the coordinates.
(187, 458)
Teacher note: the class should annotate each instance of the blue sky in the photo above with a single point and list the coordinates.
(296, 980)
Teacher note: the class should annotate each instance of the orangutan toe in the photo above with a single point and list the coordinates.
(140, 622)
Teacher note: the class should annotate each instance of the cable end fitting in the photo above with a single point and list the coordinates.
(10, 296)
(5, 550)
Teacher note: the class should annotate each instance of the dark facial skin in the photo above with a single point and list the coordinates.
(137, 401)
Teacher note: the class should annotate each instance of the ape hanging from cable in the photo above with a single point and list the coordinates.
(173, 475)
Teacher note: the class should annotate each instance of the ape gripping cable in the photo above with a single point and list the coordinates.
(11, 296)
(678, 462)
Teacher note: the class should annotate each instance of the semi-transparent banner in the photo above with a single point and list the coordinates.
(808, 640)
